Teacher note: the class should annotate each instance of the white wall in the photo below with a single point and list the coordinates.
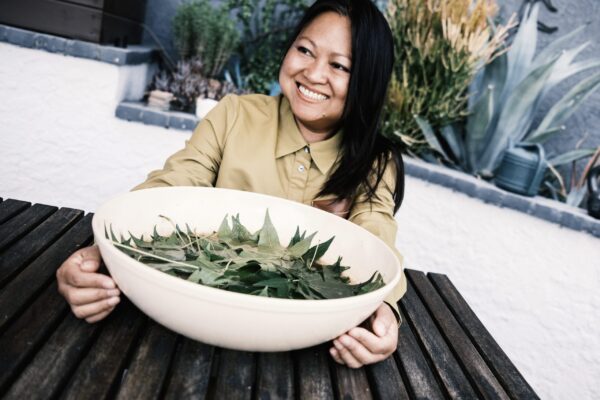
(534, 285)
(60, 142)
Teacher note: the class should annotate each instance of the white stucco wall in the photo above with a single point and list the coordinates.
(60, 142)
(533, 284)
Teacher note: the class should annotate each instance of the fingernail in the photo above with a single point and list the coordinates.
(108, 285)
(345, 340)
(113, 300)
(337, 344)
(112, 292)
(88, 265)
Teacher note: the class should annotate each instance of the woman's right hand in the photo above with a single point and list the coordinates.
(91, 295)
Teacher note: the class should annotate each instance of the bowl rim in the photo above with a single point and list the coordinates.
(240, 300)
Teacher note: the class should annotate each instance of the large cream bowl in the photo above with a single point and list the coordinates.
(235, 320)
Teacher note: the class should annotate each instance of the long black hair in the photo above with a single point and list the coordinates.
(365, 153)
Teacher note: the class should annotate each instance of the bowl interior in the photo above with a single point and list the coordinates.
(203, 210)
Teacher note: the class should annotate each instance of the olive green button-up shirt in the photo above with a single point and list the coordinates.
(252, 143)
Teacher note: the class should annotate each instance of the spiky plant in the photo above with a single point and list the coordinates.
(439, 46)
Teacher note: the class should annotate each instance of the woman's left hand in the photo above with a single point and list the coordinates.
(359, 346)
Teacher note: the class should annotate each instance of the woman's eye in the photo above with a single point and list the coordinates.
(340, 67)
(303, 50)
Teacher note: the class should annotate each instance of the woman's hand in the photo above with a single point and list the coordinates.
(359, 347)
(91, 295)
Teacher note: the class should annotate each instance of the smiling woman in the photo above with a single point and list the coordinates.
(318, 143)
(315, 73)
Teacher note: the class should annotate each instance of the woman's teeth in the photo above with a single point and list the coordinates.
(310, 94)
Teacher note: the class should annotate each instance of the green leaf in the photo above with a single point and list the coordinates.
(556, 46)
(296, 238)
(239, 232)
(522, 50)
(452, 136)
(268, 235)
(515, 112)
(224, 230)
(571, 156)
(205, 276)
(566, 106)
(317, 251)
(478, 125)
(430, 136)
(301, 247)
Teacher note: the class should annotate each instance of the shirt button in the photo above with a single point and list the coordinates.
(301, 168)
(306, 149)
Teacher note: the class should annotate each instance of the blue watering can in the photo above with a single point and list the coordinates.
(522, 168)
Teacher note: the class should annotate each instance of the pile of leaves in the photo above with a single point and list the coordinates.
(237, 260)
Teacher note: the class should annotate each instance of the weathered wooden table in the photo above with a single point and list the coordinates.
(45, 352)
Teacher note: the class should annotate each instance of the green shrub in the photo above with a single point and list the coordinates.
(266, 26)
(202, 31)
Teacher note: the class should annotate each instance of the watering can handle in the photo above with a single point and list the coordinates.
(593, 179)
(541, 157)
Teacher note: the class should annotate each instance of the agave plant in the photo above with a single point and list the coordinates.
(506, 95)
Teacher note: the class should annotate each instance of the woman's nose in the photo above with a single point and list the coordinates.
(316, 72)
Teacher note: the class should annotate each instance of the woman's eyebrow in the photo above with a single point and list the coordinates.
(315, 45)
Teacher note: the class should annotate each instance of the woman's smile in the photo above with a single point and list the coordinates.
(310, 94)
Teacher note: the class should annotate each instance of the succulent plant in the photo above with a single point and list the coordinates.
(505, 96)
(187, 83)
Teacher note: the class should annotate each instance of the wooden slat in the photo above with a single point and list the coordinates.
(235, 377)
(101, 369)
(10, 207)
(447, 368)
(18, 292)
(190, 374)
(350, 383)
(275, 376)
(146, 375)
(422, 383)
(55, 17)
(23, 223)
(311, 367)
(511, 379)
(53, 364)
(478, 372)
(26, 334)
(385, 380)
(31, 245)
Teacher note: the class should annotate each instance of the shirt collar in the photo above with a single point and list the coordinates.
(290, 140)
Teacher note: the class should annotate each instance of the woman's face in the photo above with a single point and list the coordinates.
(315, 73)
